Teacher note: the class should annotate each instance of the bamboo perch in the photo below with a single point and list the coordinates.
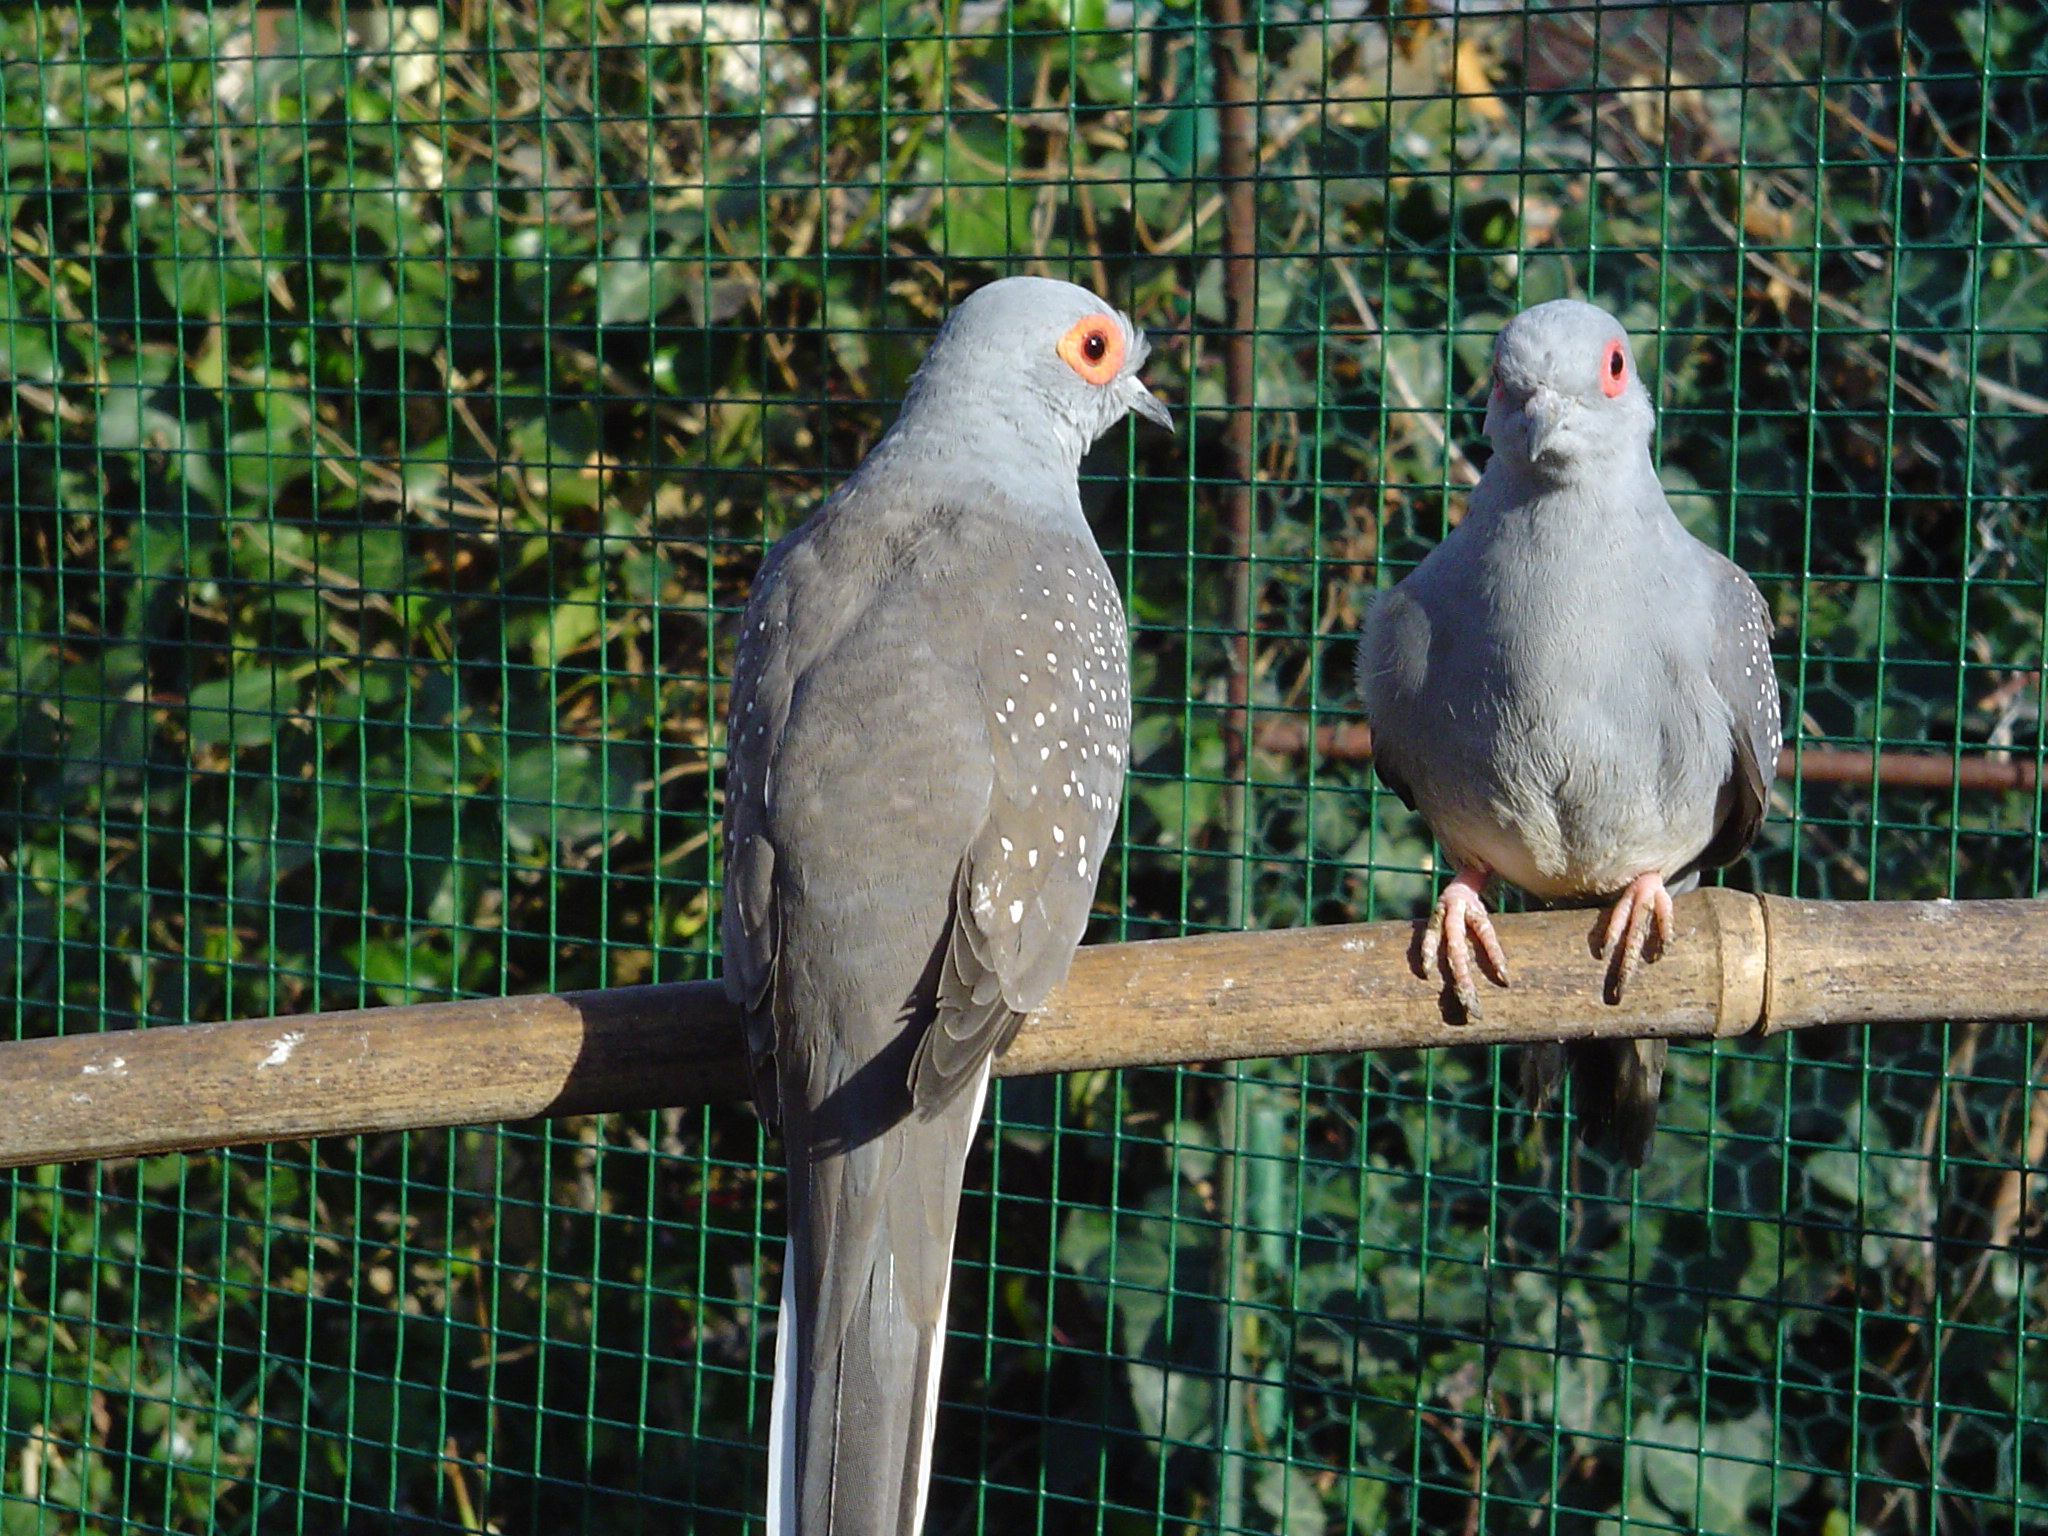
(1740, 964)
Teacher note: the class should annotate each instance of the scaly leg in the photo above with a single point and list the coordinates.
(1458, 919)
(1639, 925)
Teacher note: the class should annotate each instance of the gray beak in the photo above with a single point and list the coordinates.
(1147, 404)
(1546, 411)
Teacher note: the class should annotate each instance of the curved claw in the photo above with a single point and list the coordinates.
(1455, 922)
(1639, 925)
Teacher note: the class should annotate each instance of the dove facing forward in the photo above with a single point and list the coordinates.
(1575, 692)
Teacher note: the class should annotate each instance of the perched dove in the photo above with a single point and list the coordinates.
(1575, 692)
(930, 717)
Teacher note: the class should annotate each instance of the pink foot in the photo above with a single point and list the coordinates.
(1639, 925)
(1458, 919)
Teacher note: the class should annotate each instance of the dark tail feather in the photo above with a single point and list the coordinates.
(862, 1331)
(1616, 1085)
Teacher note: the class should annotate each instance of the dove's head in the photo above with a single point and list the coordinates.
(1567, 398)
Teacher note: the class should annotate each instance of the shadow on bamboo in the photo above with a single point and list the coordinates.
(1740, 964)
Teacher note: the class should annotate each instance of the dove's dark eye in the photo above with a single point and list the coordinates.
(1614, 368)
(1093, 350)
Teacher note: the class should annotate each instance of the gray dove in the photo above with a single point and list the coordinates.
(1575, 692)
(930, 715)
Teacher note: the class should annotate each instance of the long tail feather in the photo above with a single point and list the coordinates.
(860, 1341)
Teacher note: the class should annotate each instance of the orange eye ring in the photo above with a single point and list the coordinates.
(1094, 348)
(1614, 369)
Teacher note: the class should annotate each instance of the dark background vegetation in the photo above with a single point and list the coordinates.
(399, 399)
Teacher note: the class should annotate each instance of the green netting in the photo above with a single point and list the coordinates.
(400, 398)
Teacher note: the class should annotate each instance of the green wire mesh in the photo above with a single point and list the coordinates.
(400, 399)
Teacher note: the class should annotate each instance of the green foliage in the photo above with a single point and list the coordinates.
(400, 400)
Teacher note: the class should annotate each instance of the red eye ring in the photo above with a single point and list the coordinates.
(1094, 348)
(1614, 368)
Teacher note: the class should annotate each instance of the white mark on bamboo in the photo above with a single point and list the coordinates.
(281, 1049)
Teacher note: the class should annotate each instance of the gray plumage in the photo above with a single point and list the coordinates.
(929, 721)
(1575, 692)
